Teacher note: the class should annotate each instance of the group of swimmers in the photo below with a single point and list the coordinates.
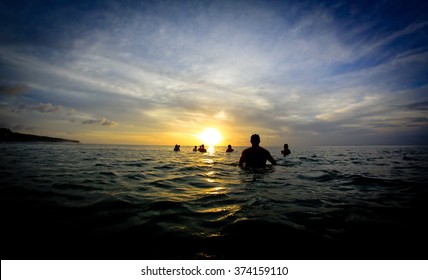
(253, 157)
(200, 149)
(203, 150)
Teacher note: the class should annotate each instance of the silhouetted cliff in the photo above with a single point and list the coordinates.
(6, 135)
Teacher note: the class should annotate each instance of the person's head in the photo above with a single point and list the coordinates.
(285, 146)
(229, 146)
(255, 139)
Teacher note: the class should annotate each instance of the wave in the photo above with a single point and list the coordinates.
(186, 205)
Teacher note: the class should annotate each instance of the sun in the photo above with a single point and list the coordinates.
(210, 137)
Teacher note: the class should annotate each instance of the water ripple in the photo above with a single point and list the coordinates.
(193, 205)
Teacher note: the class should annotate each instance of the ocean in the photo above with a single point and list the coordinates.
(84, 201)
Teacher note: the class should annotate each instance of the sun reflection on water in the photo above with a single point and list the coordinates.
(224, 211)
(211, 150)
(216, 190)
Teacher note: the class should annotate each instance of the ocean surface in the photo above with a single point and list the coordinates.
(81, 201)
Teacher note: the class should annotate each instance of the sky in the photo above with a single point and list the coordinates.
(160, 72)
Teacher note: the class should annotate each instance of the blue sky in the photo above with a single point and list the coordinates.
(159, 72)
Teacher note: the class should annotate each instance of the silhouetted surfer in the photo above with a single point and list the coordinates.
(255, 156)
(286, 150)
(229, 149)
(202, 149)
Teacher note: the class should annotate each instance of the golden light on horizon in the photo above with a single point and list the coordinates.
(210, 137)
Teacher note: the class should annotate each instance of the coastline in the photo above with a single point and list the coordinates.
(6, 135)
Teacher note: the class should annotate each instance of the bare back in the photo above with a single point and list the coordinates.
(255, 157)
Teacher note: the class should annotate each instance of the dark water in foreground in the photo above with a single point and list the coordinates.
(69, 201)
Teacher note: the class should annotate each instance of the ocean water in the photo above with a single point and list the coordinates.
(79, 201)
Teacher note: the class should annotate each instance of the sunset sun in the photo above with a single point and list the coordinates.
(210, 137)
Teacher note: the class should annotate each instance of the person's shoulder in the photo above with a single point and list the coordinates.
(264, 150)
(247, 151)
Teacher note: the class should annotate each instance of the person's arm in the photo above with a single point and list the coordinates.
(242, 159)
(271, 159)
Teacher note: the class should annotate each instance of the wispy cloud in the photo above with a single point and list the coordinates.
(13, 89)
(288, 69)
(102, 121)
(41, 108)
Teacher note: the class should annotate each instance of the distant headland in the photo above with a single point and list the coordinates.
(6, 135)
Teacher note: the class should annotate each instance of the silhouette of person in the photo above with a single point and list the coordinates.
(229, 149)
(176, 148)
(195, 149)
(202, 149)
(286, 150)
(255, 156)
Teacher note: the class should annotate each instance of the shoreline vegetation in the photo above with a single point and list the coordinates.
(6, 135)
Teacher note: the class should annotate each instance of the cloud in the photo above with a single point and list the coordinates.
(71, 112)
(13, 89)
(47, 108)
(284, 68)
(41, 108)
(102, 121)
(423, 106)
